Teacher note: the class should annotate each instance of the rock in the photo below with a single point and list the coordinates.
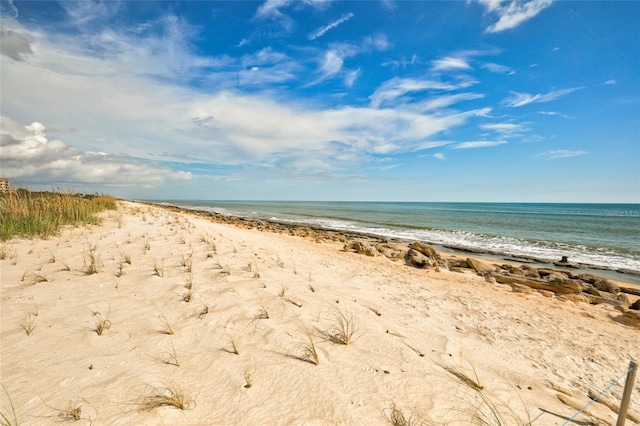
(562, 287)
(599, 283)
(595, 300)
(390, 251)
(577, 298)
(546, 293)
(623, 298)
(630, 290)
(425, 249)
(591, 290)
(520, 288)
(417, 259)
(481, 268)
(424, 255)
(633, 316)
(635, 305)
(457, 263)
(361, 247)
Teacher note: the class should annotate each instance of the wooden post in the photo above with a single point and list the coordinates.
(626, 395)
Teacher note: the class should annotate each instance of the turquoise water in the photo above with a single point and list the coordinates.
(600, 235)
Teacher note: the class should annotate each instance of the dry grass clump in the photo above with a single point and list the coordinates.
(158, 269)
(72, 413)
(309, 352)
(41, 214)
(29, 322)
(343, 327)
(102, 323)
(166, 325)
(91, 260)
(172, 356)
(166, 396)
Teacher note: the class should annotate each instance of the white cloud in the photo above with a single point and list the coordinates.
(351, 77)
(322, 30)
(518, 99)
(449, 63)
(29, 157)
(497, 68)
(610, 82)
(87, 11)
(477, 144)
(444, 101)
(131, 103)
(439, 156)
(505, 130)
(391, 90)
(271, 8)
(560, 153)
(512, 13)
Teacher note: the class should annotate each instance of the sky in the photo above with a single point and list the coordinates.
(489, 100)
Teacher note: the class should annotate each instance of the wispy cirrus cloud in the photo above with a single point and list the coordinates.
(518, 99)
(477, 144)
(450, 63)
(561, 153)
(505, 130)
(332, 61)
(497, 68)
(397, 87)
(319, 32)
(512, 13)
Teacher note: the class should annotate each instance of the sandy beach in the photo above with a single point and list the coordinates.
(156, 308)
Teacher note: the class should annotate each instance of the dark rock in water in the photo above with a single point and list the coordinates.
(519, 259)
(567, 265)
(565, 259)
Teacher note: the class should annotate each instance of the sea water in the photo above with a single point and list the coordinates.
(603, 236)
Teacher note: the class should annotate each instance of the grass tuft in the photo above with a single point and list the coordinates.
(166, 396)
(309, 351)
(344, 327)
(29, 323)
(167, 326)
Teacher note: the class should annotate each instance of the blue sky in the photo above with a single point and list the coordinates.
(488, 100)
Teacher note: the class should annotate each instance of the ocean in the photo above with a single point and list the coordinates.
(603, 236)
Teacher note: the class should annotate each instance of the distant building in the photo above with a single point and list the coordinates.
(4, 185)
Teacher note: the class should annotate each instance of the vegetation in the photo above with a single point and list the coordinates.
(41, 214)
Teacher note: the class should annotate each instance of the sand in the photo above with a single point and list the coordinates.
(420, 340)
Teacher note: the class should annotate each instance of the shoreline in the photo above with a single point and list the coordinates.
(243, 321)
(622, 276)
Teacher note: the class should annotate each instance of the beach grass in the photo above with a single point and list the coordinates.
(41, 214)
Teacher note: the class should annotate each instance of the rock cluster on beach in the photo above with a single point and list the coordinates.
(523, 278)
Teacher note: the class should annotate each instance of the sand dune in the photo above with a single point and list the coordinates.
(101, 322)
